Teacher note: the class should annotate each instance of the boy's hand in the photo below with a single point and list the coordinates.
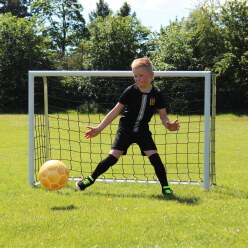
(92, 132)
(173, 126)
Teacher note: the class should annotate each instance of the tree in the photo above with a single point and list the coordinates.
(102, 9)
(233, 65)
(115, 41)
(206, 37)
(219, 41)
(173, 50)
(125, 10)
(21, 50)
(63, 21)
(17, 8)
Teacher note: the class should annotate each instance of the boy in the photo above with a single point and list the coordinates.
(139, 102)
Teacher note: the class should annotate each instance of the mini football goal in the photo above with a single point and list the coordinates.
(63, 103)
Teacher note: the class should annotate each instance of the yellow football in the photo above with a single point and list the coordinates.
(53, 175)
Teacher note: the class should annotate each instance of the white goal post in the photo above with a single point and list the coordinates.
(209, 113)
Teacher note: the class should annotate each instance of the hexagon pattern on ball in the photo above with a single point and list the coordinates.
(53, 175)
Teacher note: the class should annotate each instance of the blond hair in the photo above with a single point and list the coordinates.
(142, 62)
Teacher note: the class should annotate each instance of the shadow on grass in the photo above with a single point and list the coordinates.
(176, 198)
(63, 208)
(179, 199)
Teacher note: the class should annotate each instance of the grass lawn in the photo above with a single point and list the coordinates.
(124, 215)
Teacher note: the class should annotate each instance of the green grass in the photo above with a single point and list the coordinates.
(124, 215)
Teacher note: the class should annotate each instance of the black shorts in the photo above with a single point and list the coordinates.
(124, 139)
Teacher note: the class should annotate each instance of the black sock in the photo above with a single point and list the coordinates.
(103, 166)
(159, 169)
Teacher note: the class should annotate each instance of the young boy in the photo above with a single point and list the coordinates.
(139, 101)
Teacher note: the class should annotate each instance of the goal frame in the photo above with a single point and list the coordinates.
(209, 134)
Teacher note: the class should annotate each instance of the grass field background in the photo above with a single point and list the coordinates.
(124, 215)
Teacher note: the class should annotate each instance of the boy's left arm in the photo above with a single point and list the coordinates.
(172, 126)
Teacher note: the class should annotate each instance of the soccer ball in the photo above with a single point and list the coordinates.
(53, 175)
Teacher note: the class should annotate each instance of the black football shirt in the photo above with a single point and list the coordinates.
(139, 108)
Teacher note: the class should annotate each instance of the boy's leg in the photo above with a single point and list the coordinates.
(160, 173)
(102, 167)
(159, 169)
(147, 145)
(121, 143)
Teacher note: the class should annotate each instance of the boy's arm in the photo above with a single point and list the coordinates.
(94, 131)
(172, 126)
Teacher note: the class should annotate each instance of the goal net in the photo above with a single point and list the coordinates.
(63, 103)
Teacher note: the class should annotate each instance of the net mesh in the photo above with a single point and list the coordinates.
(77, 102)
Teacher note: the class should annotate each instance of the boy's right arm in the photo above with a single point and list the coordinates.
(172, 126)
(94, 131)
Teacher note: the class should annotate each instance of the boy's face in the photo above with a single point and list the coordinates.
(143, 77)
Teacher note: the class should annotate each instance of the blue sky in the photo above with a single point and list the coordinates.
(152, 13)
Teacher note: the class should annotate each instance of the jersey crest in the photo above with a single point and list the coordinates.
(152, 101)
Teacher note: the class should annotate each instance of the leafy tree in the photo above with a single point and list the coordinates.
(78, 59)
(115, 41)
(213, 37)
(21, 50)
(233, 66)
(125, 10)
(63, 21)
(173, 50)
(102, 9)
(17, 8)
(206, 36)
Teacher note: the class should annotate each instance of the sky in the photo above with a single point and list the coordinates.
(152, 13)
